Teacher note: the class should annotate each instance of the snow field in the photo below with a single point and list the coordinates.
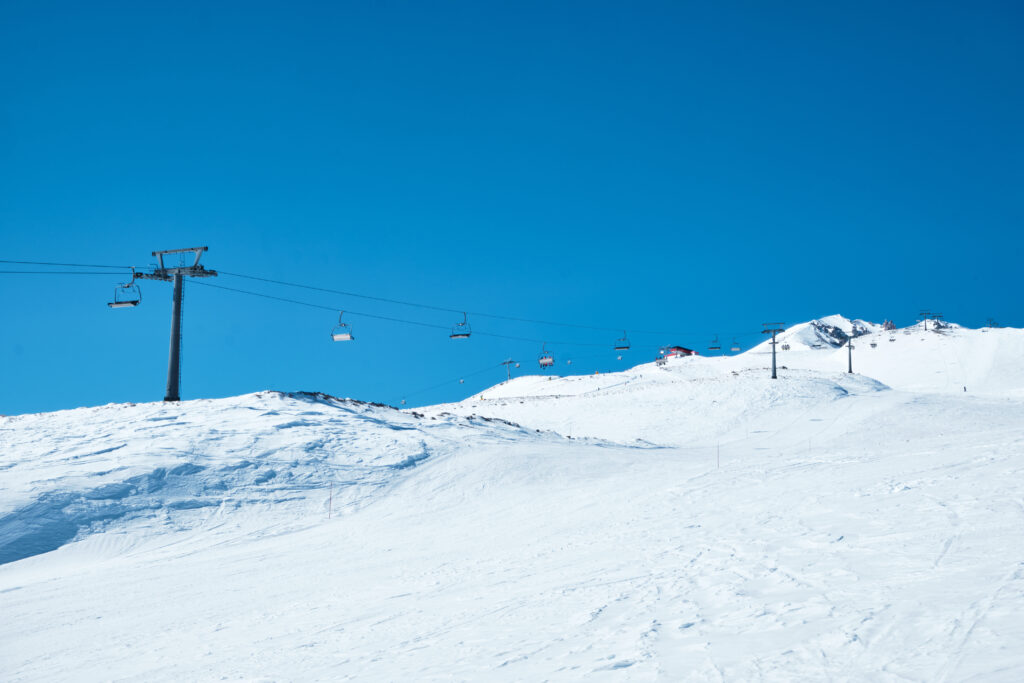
(703, 523)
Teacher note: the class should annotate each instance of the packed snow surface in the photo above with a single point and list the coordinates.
(688, 521)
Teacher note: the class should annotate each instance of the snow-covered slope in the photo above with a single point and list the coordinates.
(705, 399)
(215, 465)
(818, 526)
(985, 361)
(688, 401)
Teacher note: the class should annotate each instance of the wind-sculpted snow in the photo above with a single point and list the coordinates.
(71, 474)
(702, 523)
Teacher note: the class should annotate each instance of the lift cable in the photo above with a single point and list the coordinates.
(73, 265)
(320, 306)
(489, 368)
(63, 272)
(442, 308)
(386, 317)
(445, 309)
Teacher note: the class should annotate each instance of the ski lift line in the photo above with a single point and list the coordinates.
(534, 341)
(453, 310)
(73, 265)
(108, 273)
(353, 294)
(332, 291)
(420, 305)
(489, 368)
(383, 317)
(334, 309)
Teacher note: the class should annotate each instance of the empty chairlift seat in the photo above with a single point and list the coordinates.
(127, 295)
(461, 330)
(343, 331)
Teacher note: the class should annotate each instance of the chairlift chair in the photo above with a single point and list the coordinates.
(343, 332)
(785, 347)
(715, 346)
(874, 345)
(735, 346)
(622, 344)
(461, 330)
(127, 295)
(545, 359)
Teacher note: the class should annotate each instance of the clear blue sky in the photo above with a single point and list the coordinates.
(687, 168)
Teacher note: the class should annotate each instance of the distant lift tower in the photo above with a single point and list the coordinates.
(508, 368)
(773, 329)
(176, 274)
(849, 353)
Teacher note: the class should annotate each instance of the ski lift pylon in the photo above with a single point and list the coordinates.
(343, 332)
(126, 295)
(461, 330)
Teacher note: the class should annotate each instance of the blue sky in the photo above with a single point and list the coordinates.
(682, 168)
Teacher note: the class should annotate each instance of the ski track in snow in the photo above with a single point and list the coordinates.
(855, 528)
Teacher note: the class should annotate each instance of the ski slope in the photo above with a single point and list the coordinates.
(698, 399)
(986, 361)
(693, 521)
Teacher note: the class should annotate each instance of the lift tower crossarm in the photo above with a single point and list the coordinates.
(167, 274)
(198, 251)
